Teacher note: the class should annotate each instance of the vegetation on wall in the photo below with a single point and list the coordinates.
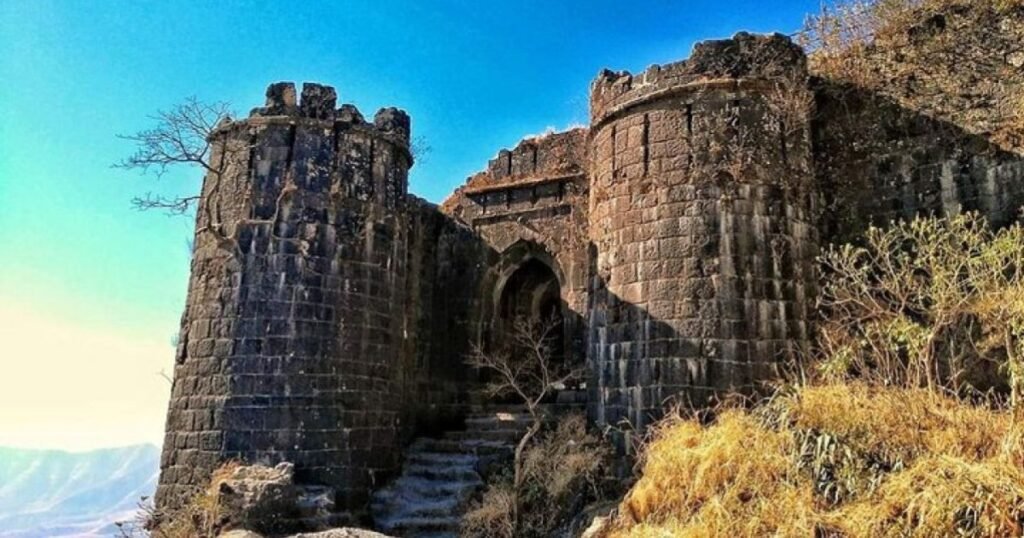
(916, 52)
(838, 37)
(201, 517)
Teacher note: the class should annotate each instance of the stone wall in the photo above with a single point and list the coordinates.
(290, 339)
(929, 125)
(702, 212)
(446, 269)
(531, 203)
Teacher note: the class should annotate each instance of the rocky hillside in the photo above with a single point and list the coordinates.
(958, 61)
(54, 493)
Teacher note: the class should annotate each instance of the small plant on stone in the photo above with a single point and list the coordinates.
(526, 369)
(562, 471)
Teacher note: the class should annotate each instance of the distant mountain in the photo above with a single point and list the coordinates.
(52, 493)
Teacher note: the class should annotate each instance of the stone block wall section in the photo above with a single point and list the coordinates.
(937, 133)
(881, 162)
(442, 319)
(290, 338)
(702, 213)
(531, 202)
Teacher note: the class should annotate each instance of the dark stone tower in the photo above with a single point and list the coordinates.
(293, 322)
(701, 214)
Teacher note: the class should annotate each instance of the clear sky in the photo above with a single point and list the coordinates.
(91, 291)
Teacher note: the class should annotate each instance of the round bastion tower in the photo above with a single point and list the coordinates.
(702, 213)
(289, 339)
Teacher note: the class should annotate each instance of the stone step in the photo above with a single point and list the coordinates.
(417, 526)
(505, 436)
(478, 447)
(442, 458)
(441, 475)
(549, 409)
(410, 487)
(455, 474)
(500, 421)
(401, 506)
(487, 409)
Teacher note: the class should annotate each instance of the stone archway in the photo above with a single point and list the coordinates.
(531, 294)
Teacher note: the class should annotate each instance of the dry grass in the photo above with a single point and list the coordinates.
(701, 481)
(492, 515)
(562, 471)
(836, 460)
(942, 496)
(898, 425)
(842, 35)
(566, 459)
(201, 517)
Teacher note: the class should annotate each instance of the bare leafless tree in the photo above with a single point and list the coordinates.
(420, 149)
(187, 135)
(181, 136)
(527, 369)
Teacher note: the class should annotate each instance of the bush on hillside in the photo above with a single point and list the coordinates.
(930, 302)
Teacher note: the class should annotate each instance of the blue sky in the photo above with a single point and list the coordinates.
(91, 290)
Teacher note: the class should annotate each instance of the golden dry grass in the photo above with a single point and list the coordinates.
(942, 496)
(708, 482)
(201, 516)
(899, 425)
(920, 464)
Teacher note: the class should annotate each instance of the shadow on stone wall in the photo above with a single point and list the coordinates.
(878, 161)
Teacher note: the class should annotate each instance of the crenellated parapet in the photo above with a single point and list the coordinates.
(334, 147)
(547, 159)
(746, 60)
(545, 156)
(536, 192)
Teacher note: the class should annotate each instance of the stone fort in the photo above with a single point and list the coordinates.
(674, 239)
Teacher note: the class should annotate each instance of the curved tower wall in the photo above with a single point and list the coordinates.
(702, 217)
(293, 322)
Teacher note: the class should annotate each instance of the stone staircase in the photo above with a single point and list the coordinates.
(441, 475)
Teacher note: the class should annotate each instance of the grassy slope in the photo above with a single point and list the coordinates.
(843, 460)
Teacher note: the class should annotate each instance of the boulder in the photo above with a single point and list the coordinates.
(259, 498)
(239, 534)
(346, 532)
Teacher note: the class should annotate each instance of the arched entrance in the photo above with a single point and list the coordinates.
(531, 299)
